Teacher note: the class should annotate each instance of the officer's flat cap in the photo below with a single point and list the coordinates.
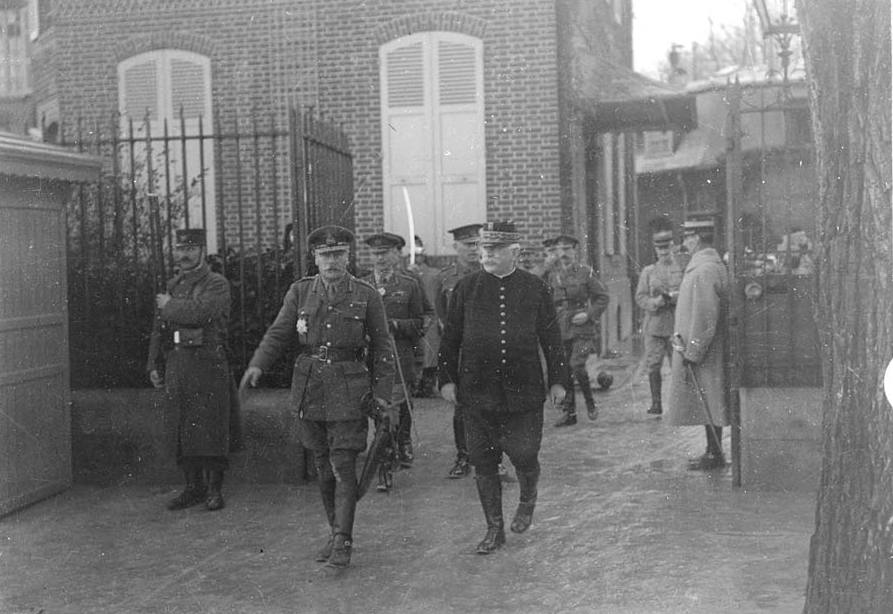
(191, 237)
(499, 233)
(569, 239)
(662, 238)
(696, 225)
(466, 233)
(385, 240)
(330, 239)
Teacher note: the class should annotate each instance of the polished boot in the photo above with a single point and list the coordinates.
(404, 437)
(342, 528)
(654, 382)
(327, 490)
(713, 458)
(341, 547)
(385, 478)
(527, 480)
(215, 501)
(194, 492)
(591, 407)
(490, 493)
(460, 469)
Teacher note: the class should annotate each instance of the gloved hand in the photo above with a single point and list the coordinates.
(156, 378)
(448, 392)
(251, 377)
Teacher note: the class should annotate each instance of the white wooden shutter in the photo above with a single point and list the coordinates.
(139, 90)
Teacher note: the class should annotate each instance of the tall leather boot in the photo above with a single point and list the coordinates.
(327, 490)
(527, 481)
(342, 528)
(654, 382)
(586, 388)
(404, 437)
(194, 492)
(214, 501)
(490, 494)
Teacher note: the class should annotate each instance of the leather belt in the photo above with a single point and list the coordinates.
(325, 353)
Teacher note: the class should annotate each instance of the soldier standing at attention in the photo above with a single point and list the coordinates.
(656, 294)
(191, 323)
(465, 242)
(426, 349)
(580, 298)
(489, 362)
(407, 311)
(340, 327)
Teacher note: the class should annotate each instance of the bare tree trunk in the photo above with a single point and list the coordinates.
(847, 51)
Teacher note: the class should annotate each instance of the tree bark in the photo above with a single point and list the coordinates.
(848, 59)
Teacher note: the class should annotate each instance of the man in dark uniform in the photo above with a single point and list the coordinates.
(465, 242)
(426, 349)
(407, 311)
(580, 298)
(489, 362)
(340, 327)
(190, 328)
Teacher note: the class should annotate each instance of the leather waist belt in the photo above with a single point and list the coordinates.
(328, 354)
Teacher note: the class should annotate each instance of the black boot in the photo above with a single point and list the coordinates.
(404, 437)
(713, 458)
(654, 382)
(568, 406)
(342, 527)
(214, 501)
(591, 407)
(527, 480)
(327, 490)
(341, 548)
(193, 494)
(490, 494)
(460, 469)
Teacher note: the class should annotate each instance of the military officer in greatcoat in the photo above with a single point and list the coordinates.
(580, 299)
(489, 362)
(656, 294)
(345, 355)
(465, 243)
(408, 313)
(187, 357)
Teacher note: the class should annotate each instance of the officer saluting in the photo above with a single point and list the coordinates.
(407, 311)
(191, 327)
(489, 362)
(340, 327)
(465, 242)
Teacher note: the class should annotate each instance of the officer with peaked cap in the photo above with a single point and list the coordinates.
(190, 329)
(580, 299)
(498, 319)
(339, 325)
(697, 381)
(656, 295)
(465, 242)
(408, 312)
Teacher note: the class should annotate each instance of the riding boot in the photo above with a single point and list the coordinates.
(327, 490)
(215, 501)
(654, 382)
(586, 388)
(713, 458)
(342, 528)
(490, 493)
(404, 437)
(527, 481)
(194, 492)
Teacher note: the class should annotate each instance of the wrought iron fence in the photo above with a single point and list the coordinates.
(249, 182)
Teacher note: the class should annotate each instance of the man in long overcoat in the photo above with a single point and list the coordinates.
(190, 330)
(580, 299)
(489, 362)
(339, 325)
(699, 343)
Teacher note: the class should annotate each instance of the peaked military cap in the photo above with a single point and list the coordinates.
(191, 237)
(563, 238)
(330, 239)
(385, 240)
(466, 233)
(499, 233)
(697, 225)
(662, 238)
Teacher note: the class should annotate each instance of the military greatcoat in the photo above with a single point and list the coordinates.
(191, 330)
(701, 322)
(343, 343)
(577, 289)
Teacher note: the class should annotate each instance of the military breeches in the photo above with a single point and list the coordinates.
(490, 433)
(577, 351)
(656, 348)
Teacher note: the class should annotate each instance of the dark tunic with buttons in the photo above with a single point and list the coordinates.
(191, 331)
(499, 324)
(328, 384)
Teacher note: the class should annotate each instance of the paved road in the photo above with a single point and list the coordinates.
(621, 528)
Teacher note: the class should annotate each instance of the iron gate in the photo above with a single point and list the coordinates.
(248, 181)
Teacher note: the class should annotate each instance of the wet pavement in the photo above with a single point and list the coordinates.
(621, 528)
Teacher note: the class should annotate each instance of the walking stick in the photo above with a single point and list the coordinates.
(694, 378)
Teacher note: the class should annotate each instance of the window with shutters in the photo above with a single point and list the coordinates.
(167, 93)
(432, 126)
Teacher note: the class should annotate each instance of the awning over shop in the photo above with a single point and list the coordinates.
(621, 99)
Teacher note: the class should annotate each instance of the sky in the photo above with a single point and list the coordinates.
(657, 24)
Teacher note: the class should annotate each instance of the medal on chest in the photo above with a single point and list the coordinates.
(301, 325)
